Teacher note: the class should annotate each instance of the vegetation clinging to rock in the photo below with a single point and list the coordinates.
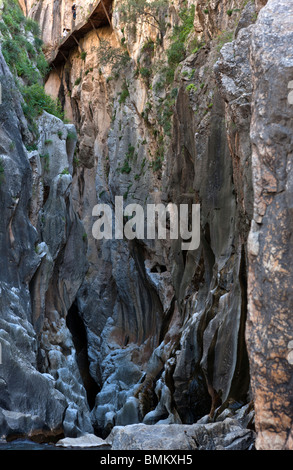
(22, 51)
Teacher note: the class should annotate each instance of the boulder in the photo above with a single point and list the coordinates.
(84, 441)
(225, 435)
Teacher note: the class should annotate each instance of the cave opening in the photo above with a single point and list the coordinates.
(79, 336)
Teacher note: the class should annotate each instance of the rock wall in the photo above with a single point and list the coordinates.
(53, 17)
(270, 242)
(175, 321)
(263, 81)
(140, 331)
(42, 394)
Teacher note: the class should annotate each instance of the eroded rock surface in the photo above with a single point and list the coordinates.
(270, 323)
(174, 320)
(227, 435)
(40, 382)
(112, 333)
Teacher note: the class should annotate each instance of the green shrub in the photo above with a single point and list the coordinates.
(126, 167)
(31, 147)
(10, 52)
(4, 30)
(10, 23)
(130, 153)
(124, 93)
(38, 43)
(32, 26)
(130, 156)
(177, 50)
(145, 72)
(71, 136)
(176, 53)
(191, 87)
(151, 12)
(42, 65)
(36, 101)
(27, 61)
(26, 70)
(118, 58)
(12, 6)
(157, 163)
(31, 50)
(148, 47)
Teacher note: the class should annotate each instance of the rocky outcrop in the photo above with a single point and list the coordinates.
(44, 395)
(54, 17)
(86, 441)
(106, 334)
(255, 87)
(270, 324)
(227, 435)
(21, 410)
(166, 318)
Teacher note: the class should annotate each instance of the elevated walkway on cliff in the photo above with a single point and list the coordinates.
(99, 16)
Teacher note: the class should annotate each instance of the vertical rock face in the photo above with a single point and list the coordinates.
(174, 320)
(53, 17)
(21, 409)
(116, 332)
(270, 323)
(41, 390)
(264, 73)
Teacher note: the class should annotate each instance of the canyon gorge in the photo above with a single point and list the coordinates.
(138, 342)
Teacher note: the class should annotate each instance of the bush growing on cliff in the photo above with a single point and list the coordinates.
(36, 101)
(180, 46)
(32, 26)
(26, 61)
(151, 12)
(176, 53)
(124, 93)
(117, 58)
(13, 16)
(177, 50)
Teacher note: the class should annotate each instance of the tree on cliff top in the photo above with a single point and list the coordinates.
(152, 13)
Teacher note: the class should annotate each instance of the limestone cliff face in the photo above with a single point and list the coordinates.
(40, 384)
(270, 243)
(168, 336)
(53, 17)
(175, 321)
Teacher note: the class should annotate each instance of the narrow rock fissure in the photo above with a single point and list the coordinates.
(79, 337)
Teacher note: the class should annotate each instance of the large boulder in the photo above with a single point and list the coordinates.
(226, 435)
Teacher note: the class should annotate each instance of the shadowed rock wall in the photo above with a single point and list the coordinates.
(168, 336)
